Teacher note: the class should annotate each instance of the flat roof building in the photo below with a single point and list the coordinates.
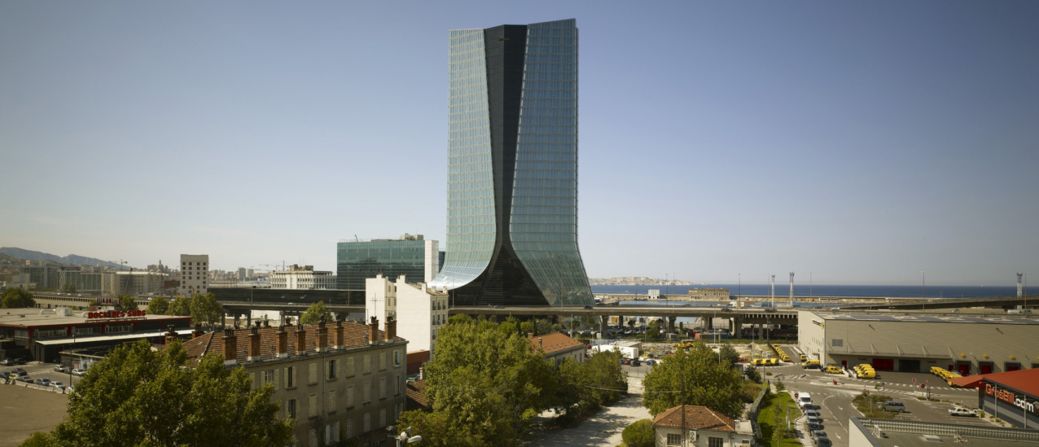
(44, 333)
(194, 274)
(302, 277)
(964, 342)
(410, 255)
(902, 433)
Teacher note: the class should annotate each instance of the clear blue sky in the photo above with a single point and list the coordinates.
(864, 142)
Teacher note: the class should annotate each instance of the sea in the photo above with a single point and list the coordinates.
(782, 290)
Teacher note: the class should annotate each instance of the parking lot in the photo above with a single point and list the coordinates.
(38, 370)
(834, 393)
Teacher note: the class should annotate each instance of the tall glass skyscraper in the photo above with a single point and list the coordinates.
(512, 176)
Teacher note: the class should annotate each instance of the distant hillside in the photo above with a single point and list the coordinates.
(21, 253)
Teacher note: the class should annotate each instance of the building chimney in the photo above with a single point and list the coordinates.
(254, 343)
(421, 373)
(230, 347)
(340, 343)
(391, 329)
(301, 340)
(322, 336)
(541, 343)
(198, 331)
(373, 330)
(171, 335)
(283, 343)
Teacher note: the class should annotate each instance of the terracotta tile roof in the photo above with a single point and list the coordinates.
(416, 393)
(554, 342)
(1024, 380)
(354, 335)
(697, 417)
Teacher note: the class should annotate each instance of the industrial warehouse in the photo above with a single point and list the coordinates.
(960, 341)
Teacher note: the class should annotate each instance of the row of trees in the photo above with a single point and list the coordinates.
(202, 307)
(16, 297)
(486, 384)
(137, 396)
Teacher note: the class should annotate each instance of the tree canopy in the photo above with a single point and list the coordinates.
(486, 383)
(205, 309)
(17, 297)
(159, 305)
(140, 397)
(315, 313)
(639, 434)
(694, 377)
(125, 303)
(180, 306)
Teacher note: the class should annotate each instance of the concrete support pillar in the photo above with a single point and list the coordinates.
(604, 321)
(670, 324)
(708, 322)
(248, 318)
(237, 316)
(737, 327)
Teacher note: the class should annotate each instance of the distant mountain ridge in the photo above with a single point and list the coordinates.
(72, 259)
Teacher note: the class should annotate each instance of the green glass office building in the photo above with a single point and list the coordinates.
(417, 259)
(512, 175)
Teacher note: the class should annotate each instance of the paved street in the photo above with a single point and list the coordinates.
(603, 429)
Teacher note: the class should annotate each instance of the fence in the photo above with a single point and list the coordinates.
(938, 429)
(752, 412)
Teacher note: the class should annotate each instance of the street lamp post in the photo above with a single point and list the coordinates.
(403, 438)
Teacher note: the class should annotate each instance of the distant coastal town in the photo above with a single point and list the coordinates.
(637, 281)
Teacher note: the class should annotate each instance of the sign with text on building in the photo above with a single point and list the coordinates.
(1030, 405)
(112, 314)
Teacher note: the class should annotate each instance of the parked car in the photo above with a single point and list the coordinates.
(961, 411)
(833, 369)
(79, 372)
(43, 381)
(816, 420)
(6, 362)
(894, 405)
(61, 369)
(813, 413)
(815, 426)
(25, 379)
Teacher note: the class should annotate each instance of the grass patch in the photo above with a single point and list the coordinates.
(870, 406)
(773, 421)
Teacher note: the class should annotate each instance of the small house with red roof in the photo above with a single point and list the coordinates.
(700, 426)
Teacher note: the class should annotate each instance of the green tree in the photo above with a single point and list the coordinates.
(653, 330)
(597, 381)
(158, 305)
(314, 313)
(125, 303)
(140, 397)
(694, 377)
(639, 434)
(729, 355)
(205, 309)
(40, 439)
(486, 384)
(180, 306)
(17, 297)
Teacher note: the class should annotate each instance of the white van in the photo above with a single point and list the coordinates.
(803, 399)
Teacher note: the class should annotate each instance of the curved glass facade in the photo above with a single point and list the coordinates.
(512, 188)
(470, 189)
